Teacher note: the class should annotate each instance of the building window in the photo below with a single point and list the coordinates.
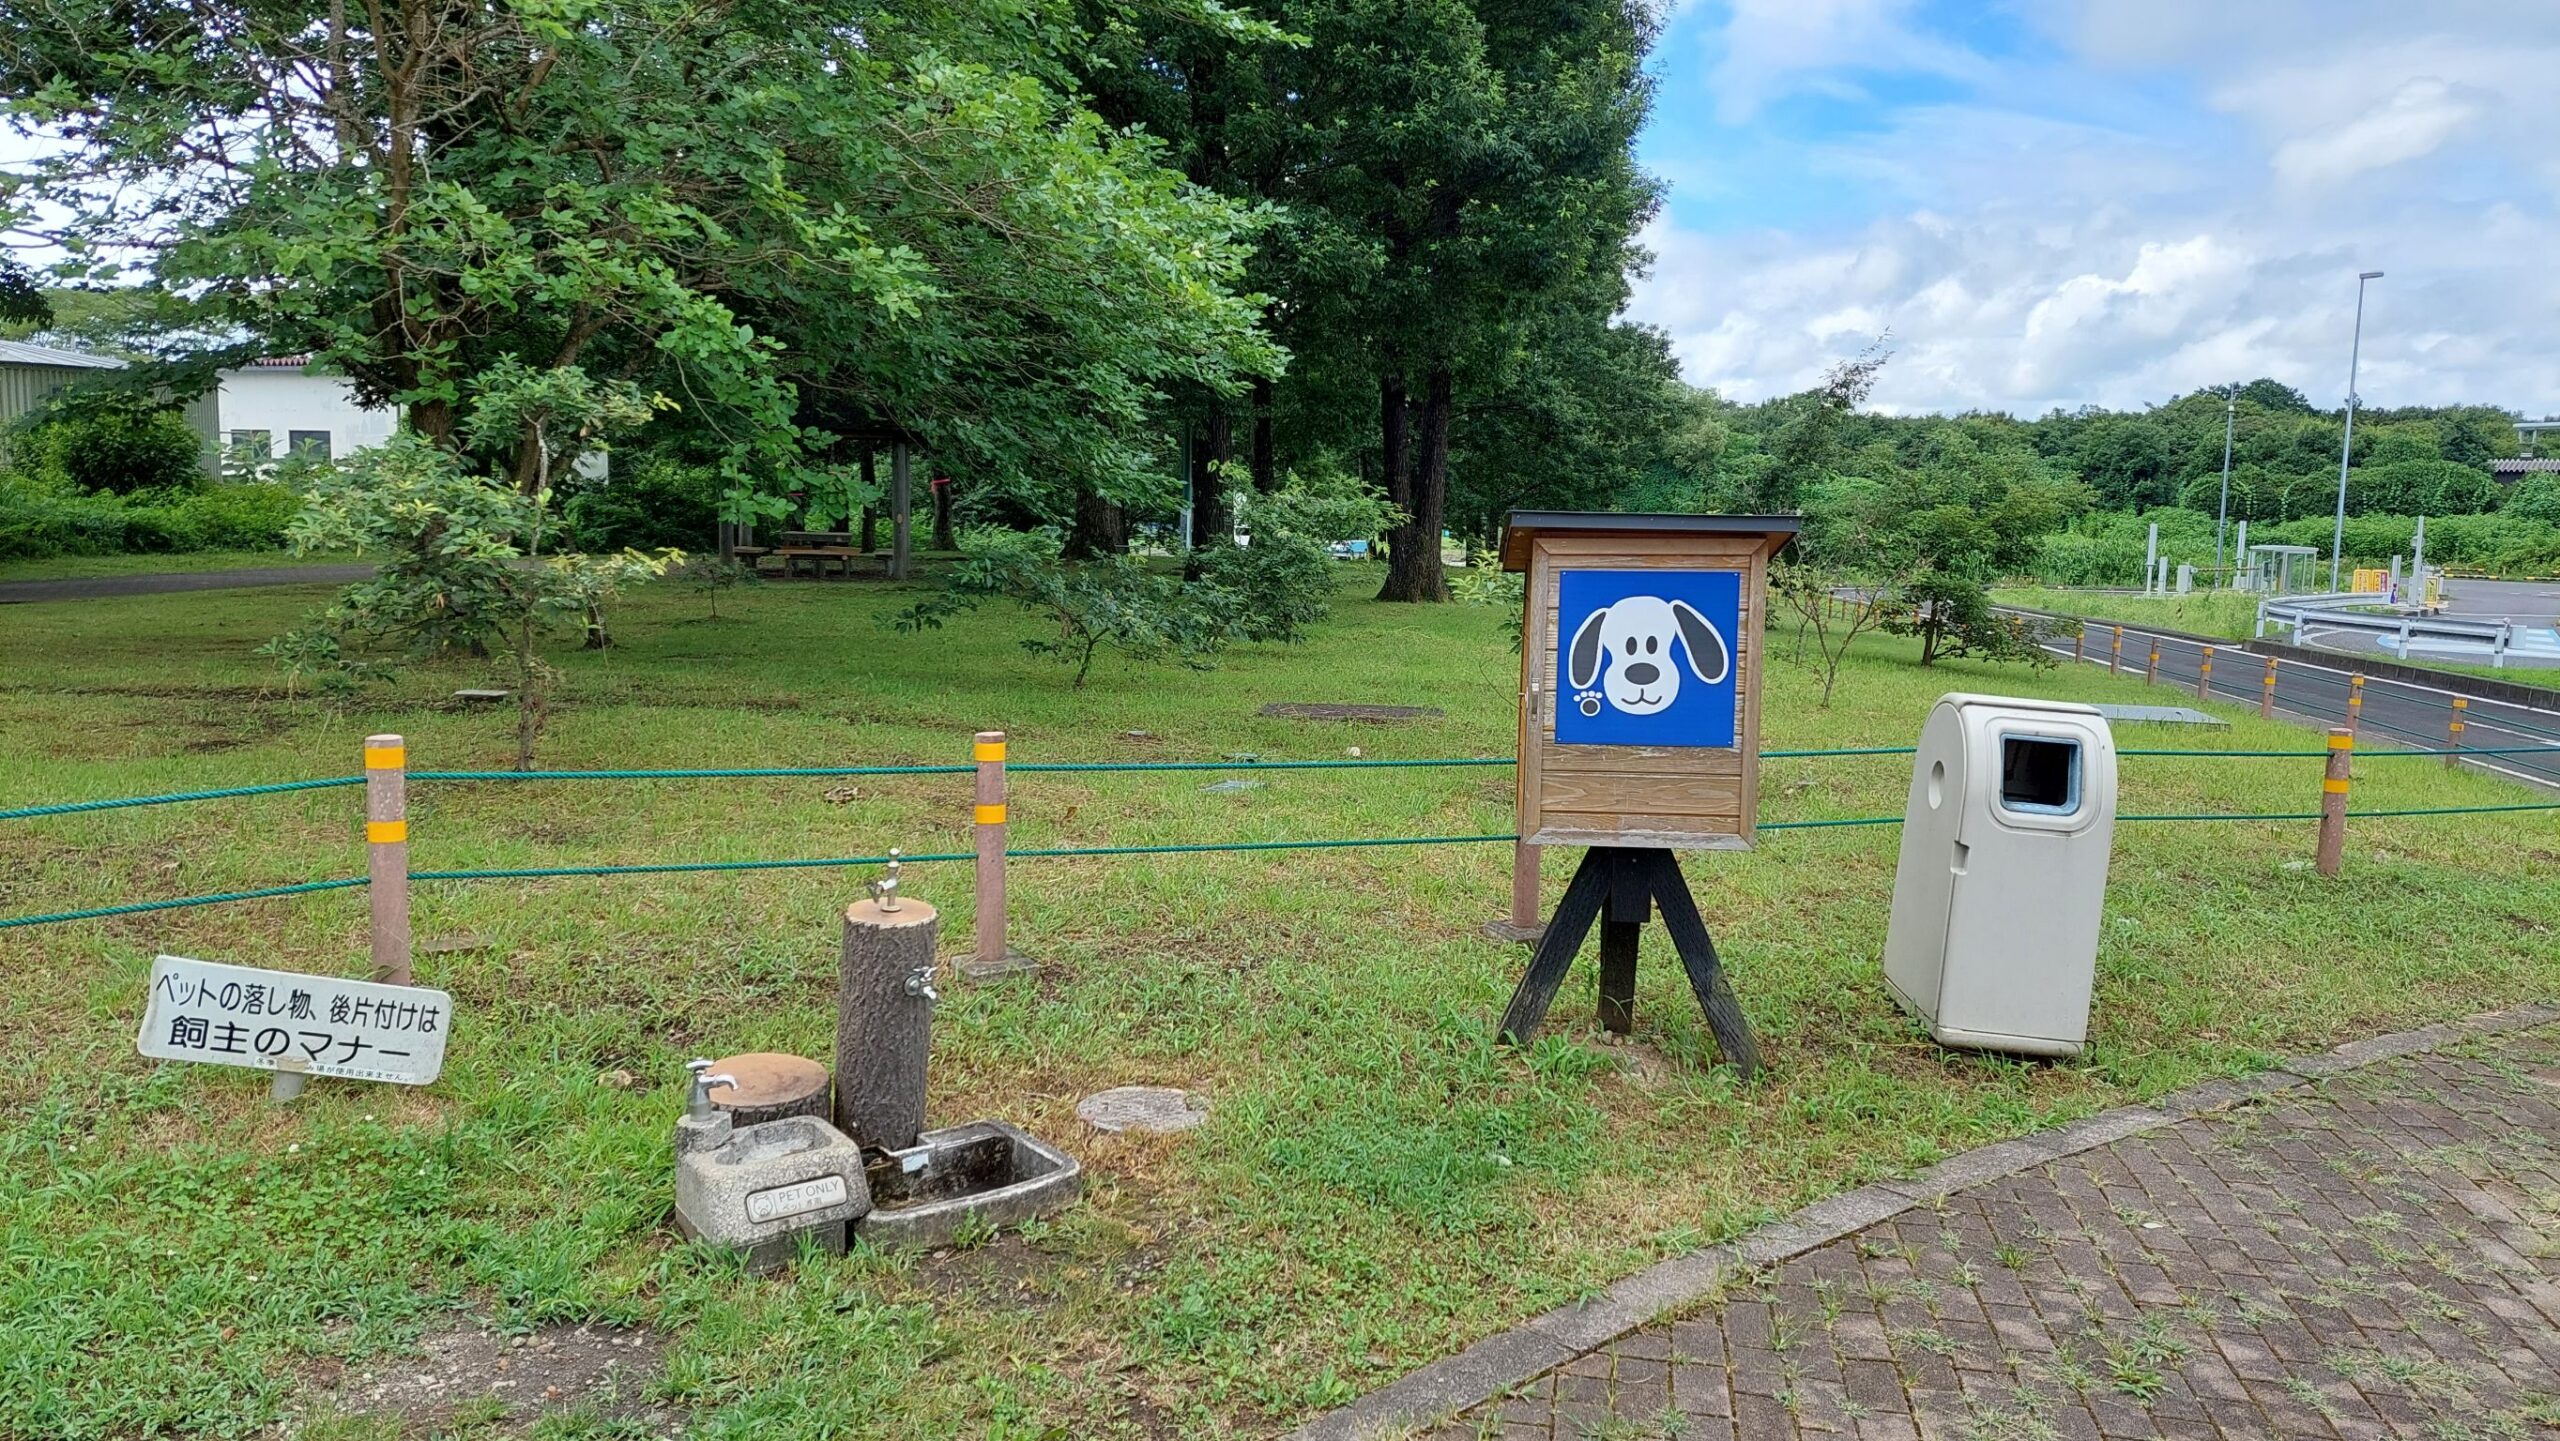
(252, 446)
(308, 444)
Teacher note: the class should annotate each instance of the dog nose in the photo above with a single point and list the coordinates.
(1643, 673)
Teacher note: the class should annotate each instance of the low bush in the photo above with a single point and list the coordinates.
(118, 450)
(39, 521)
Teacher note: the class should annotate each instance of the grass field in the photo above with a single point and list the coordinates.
(1378, 1185)
(2222, 613)
(85, 567)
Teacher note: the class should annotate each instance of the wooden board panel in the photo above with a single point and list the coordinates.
(1671, 796)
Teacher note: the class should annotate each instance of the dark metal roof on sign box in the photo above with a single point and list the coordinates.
(1526, 525)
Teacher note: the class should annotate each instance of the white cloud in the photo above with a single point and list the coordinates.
(1772, 48)
(2176, 193)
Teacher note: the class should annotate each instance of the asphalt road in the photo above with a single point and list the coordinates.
(2396, 713)
(94, 587)
(2534, 606)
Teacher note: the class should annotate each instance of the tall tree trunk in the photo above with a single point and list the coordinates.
(1393, 413)
(1266, 473)
(942, 538)
(1209, 446)
(1420, 489)
(871, 512)
(1100, 528)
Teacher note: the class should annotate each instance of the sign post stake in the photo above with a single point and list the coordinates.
(2453, 733)
(386, 834)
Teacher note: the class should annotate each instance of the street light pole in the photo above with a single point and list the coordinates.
(2346, 448)
(2222, 517)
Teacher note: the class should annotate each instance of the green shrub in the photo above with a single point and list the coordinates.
(2535, 498)
(39, 522)
(650, 502)
(120, 450)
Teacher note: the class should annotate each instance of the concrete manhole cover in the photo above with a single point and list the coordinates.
(1160, 1110)
(1310, 710)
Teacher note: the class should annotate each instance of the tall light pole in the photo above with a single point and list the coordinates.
(2230, 414)
(2346, 448)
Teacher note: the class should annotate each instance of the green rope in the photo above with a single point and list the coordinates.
(1816, 825)
(527, 873)
(136, 907)
(1070, 767)
(226, 793)
(731, 773)
(1253, 846)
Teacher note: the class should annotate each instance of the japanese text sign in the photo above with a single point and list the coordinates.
(286, 1021)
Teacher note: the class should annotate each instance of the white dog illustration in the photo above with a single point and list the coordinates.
(1637, 634)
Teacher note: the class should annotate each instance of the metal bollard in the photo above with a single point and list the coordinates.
(988, 752)
(2267, 691)
(2333, 800)
(2115, 653)
(386, 834)
(2355, 704)
(2204, 676)
(2453, 733)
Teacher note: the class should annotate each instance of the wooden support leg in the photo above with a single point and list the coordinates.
(1618, 974)
(1706, 974)
(1580, 907)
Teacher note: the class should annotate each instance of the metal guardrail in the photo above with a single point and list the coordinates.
(2337, 611)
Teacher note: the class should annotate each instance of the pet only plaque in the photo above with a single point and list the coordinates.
(1639, 735)
(286, 1021)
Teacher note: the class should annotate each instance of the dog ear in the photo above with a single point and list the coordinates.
(1708, 657)
(1582, 665)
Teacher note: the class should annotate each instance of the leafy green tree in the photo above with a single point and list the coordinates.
(2125, 459)
(2274, 395)
(1103, 603)
(791, 219)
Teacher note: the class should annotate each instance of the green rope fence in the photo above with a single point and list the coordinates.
(1071, 852)
(1093, 767)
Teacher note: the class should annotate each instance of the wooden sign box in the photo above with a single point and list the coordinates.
(1685, 776)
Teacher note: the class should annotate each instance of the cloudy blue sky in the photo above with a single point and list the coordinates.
(2065, 202)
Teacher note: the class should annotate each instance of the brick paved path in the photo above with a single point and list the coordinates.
(2374, 1256)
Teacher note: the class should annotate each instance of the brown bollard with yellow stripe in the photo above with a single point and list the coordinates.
(990, 817)
(386, 836)
(2115, 653)
(2355, 705)
(2151, 676)
(2079, 642)
(2453, 732)
(2267, 691)
(2333, 800)
(2204, 676)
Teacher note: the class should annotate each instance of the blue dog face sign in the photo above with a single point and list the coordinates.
(1645, 657)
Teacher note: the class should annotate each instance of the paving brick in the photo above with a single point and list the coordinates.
(2303, 1241)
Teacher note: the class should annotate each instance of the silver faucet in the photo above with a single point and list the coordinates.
(699, 1108)
(920, 982)
(885, 889)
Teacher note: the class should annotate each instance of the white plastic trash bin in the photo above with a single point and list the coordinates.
(2003, 876)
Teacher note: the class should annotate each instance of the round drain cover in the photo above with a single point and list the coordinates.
(1158, 1109)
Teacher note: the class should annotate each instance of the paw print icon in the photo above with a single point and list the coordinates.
(1587, 702)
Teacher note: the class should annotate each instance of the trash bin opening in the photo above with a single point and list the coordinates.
(2039, 775)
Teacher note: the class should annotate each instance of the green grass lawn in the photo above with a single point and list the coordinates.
(2224, 613)
(1378, 1186)
(87, 567)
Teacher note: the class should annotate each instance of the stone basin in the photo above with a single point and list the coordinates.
(998, 1173)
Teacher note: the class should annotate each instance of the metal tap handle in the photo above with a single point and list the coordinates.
(885, 889)
(920, 983)
(699, 1104)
